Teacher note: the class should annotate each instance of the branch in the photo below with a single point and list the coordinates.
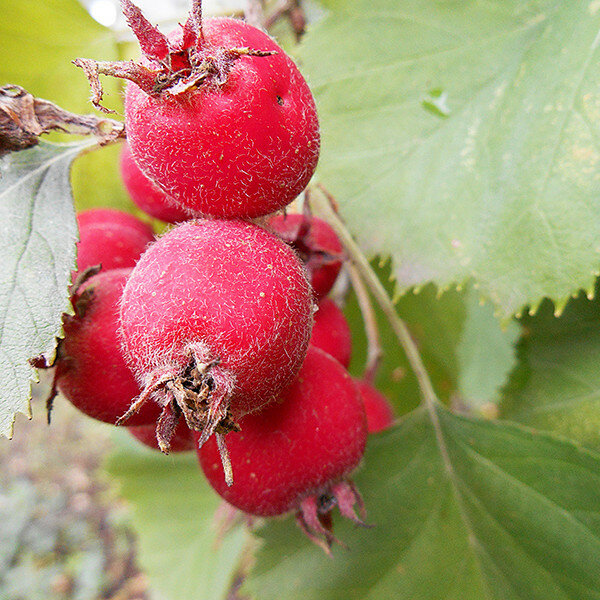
(324, 203)
(374, 351)
(253, 13)
(23, 118)
(292, 9)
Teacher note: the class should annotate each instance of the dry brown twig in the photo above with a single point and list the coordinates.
(292, 9)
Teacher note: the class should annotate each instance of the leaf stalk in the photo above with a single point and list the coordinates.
(324, 203)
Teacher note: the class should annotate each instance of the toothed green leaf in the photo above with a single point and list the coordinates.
(557, 384)
(468, 510)
(461, 137)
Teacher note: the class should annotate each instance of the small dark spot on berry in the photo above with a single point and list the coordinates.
(280, 100)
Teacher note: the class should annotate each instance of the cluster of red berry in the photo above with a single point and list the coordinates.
(205, 337)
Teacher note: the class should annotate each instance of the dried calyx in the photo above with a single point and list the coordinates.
(201, 395)
(173, 65)
(314, 515)
(311, 253)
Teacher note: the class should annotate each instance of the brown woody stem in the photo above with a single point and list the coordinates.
(292, 9)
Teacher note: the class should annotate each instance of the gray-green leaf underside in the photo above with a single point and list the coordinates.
(37, 245)
(486, 355)
(461, 137)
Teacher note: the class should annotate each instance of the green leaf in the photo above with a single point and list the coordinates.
(461, 138)
(173, 515)
(557, 384)
(38, 233)
(468, 353)
(463, 509)
(486, 355)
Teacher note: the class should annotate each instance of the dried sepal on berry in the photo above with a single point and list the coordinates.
(173, 64)
(224, 123)
(314, 515)
(316, 243)
(181, 439)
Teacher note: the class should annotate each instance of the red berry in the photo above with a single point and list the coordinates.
(231, 129)
(331, 332)
(90, 369)
(295, 455)
(217, 115)
(316, 243)
(150, 198)
(216, 319)
(111, 238)
(380, 414)
(182, 440)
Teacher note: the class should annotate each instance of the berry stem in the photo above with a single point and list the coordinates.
(374, 350)
(324, 201)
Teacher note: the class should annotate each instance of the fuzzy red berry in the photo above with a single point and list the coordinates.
(216, 319)
(380, 414)
(331, 332)
(182, 440)
(295, 455)
(90, 369)
(317, 245)
(112, 238)
(217, 115)
(147, 196)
